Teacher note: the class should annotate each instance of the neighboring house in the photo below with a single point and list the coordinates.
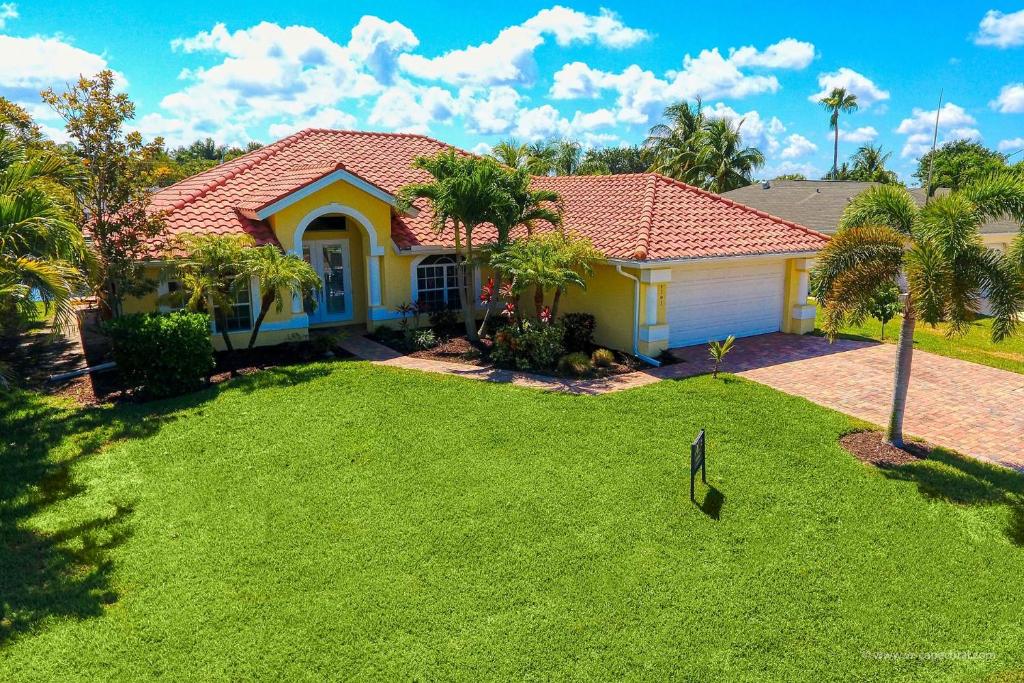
(819, 204)
(682, 265)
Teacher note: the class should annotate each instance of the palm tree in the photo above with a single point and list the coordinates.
(465, 191)
(568, 157)
(836, 102)
(869, 165)
(212, 273)
(541, 158)
(723, 159)
(42, 251)
(511, 152)
(276, 271)
(934, 254)
(674, 145)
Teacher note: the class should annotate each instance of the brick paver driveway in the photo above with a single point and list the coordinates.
(971, 408)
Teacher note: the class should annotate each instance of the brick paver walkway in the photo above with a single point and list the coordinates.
(971, 408)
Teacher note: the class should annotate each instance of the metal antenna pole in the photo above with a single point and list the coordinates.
(935, 139)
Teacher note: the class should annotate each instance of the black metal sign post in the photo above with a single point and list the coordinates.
(697, 462)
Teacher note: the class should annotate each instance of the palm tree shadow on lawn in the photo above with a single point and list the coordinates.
(66, 571)
(960, 480)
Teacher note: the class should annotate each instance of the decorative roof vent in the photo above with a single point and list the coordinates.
(766, 185)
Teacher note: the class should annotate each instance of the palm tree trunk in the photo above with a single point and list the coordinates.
(538, 299)
(835, 153)
(901, 383)
(554, 303)
(265, 303)
(469, 305)
(222, 324)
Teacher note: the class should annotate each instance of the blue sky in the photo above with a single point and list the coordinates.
(600, 72)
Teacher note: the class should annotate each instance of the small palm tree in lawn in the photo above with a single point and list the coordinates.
(837, 102)
(935, 255)
(212, 273)
(42, 251)
(464, 192)
(718, 350)
(276, 272)
(723, 159)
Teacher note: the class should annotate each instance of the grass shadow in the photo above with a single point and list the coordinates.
(712, 503)
(959, 480)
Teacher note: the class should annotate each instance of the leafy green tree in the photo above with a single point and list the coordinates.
(615, 161)
(958, 164)
(791, 176)
(725, 162)
(116, 195)
(277, 272)
(869, 165)
(42, 251)
(936, 256)
(212, 272)
(885, 305)
(837, 102)
(465, 192)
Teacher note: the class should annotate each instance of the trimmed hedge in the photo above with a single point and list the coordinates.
(165, 354)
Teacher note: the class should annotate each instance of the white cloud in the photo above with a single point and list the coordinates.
(541, 122)
(797, 146)
(409, 109)
(642, 95)
(789, 53)
(508, 59)
(860, 85)
(754, 129)
(1001, 30)
(8, 10)
(600, 118)
(806, 169)
(858, 135)
(178, 132)
(1010, 100)
(324, 118)
(1011, 145)
(494, 115)
(482, 148)
(954, 123)
(378, 43)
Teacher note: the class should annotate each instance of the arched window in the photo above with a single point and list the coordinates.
(436, 283)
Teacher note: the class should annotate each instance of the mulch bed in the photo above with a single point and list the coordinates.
(870, 447)
(458, 349)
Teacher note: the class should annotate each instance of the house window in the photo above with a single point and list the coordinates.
(437, 284)
(176, 298)
(239, 315)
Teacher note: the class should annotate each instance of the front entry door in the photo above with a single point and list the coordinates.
(330, 259)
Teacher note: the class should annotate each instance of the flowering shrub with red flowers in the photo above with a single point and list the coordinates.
(528, 345)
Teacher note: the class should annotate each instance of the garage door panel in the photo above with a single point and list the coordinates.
(712, 303)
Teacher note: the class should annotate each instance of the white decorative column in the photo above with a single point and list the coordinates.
(373, 268)
(651, 308)
(653, 335)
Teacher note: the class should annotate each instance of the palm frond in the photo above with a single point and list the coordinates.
(889, 205)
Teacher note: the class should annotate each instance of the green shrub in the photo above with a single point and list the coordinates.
(444, 321)
(603, 358)
(423, 339)
(530, 346)
(579, 331)
(164, 354)
(576, 363)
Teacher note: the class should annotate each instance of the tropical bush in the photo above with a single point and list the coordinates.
(579, 331)
(602, 358)
(529, 346)
(165, 354)
(577, 364)
(423, 339)
(443, 321)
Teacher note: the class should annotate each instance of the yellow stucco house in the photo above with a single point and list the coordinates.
(682, 265)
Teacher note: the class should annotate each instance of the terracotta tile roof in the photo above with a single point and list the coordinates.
(641, 216)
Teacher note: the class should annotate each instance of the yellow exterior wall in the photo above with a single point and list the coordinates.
(609, 297)
(798, 314)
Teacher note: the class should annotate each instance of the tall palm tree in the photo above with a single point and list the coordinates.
(935, 255)
(722, 158)
(869, 165)
(568, 157)
(42, 252)
(464, 192)
(512, 153)
(836, 102)
(276, 271)
(675, 144)
(541, 157)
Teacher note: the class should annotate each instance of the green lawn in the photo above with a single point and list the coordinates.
(346, 520)
(976, 346)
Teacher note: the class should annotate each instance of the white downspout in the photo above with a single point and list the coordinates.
(636, 317)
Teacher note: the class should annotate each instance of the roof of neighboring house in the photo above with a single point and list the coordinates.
(638, 217)
(819, 204)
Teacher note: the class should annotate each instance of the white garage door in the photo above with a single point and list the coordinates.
(712, 302)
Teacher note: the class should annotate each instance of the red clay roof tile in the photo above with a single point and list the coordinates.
(636, 217)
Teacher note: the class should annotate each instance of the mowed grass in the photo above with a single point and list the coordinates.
(350, 521)
(975, 346)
